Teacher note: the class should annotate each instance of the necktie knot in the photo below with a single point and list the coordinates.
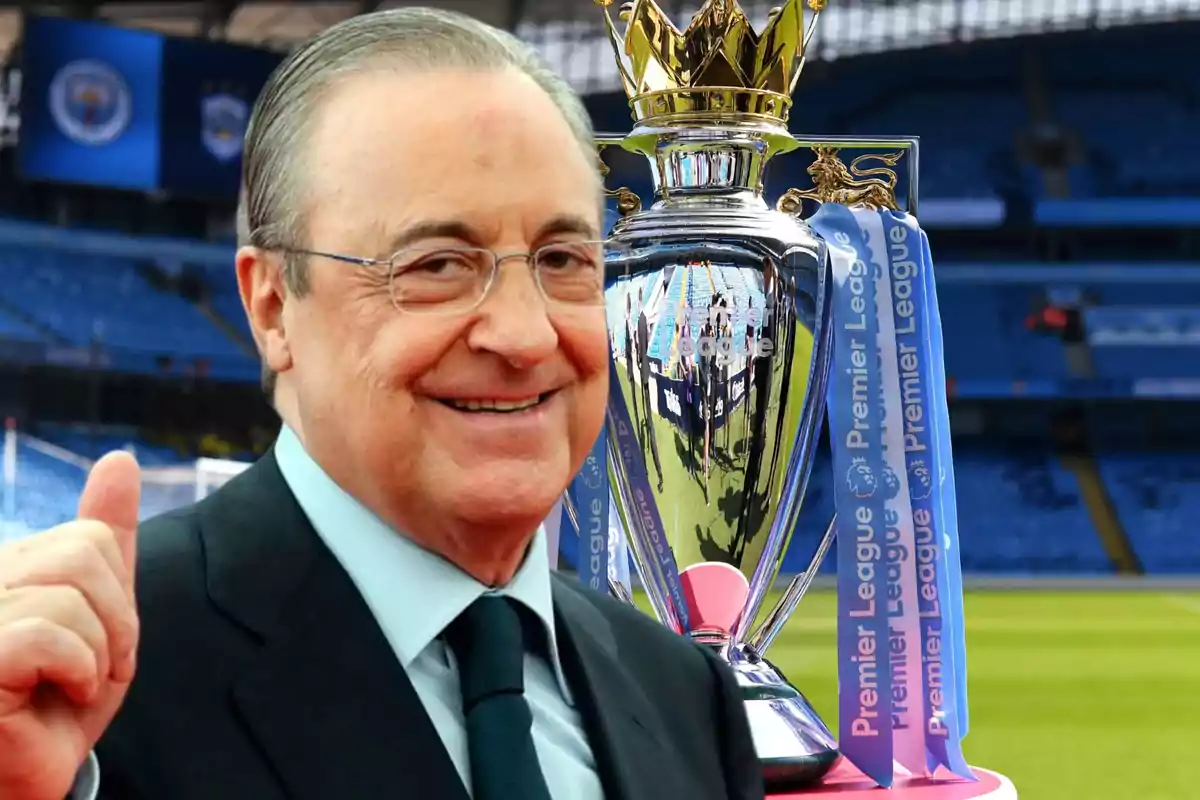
(488, 644)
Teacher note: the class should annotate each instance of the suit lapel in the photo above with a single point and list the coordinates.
(326, 700)
(628, 741)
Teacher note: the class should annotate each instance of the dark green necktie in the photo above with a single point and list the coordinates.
(489, 645)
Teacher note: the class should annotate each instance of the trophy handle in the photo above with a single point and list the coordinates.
(627, 200)
(762, 638)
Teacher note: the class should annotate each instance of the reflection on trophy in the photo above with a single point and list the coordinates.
(720, 313)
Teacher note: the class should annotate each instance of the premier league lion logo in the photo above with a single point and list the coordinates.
(891, 483)
(592, 473)
(223, 120)
(90, 102)
(861, 480)
(920, 482)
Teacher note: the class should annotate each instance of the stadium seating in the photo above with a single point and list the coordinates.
(1134, 117)
(13, 328)
(47, 489)
(1138, 114)
(91, 445)
(79, 302)
(51, 468)
(1019, 513)
(1158, 501)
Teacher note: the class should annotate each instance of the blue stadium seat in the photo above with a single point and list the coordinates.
(1158, 501)
(13, 328)
(1017, 514)
(107, 301)
(1135, 116)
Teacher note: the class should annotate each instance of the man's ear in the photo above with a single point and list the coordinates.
(262, 289)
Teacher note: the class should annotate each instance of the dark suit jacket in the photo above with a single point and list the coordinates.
(262, 675)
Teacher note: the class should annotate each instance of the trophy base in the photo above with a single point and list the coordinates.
(795, 748)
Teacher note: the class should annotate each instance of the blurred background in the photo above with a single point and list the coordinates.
(1060, 187)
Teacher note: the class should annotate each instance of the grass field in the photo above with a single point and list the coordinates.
(1074, 695)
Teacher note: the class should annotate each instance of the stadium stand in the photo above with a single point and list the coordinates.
(1060, 188)
(984, 113)
(111, 305)
(1158, 499)
(1129, 130)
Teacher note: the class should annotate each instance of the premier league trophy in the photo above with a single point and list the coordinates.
(721, 312)
(719, 309)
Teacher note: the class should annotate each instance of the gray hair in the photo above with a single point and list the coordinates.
(270, 209)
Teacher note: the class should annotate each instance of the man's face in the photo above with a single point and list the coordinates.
(473, 159)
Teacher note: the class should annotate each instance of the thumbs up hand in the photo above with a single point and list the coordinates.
(68, 634)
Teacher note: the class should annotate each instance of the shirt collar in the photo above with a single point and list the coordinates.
(413, 593)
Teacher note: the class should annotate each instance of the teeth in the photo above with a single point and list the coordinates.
(494, 405)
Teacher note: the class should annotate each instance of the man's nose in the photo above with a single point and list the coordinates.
(514, 321)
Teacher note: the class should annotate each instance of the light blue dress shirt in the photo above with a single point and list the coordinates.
(414, 595)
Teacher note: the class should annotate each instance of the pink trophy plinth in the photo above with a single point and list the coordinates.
(715, 594)
(845, 782)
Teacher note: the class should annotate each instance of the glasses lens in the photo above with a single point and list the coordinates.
(572, 272)
(439, 281)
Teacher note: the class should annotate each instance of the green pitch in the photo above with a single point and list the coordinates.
(1074, 695)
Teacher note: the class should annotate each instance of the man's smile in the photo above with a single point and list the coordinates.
(507, 405)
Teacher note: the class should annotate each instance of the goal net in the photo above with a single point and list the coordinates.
(42, 481)
(168, 488)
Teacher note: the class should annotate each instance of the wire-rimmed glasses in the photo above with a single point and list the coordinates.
(456, 279)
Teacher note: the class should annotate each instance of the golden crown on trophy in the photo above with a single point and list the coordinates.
(719, 69)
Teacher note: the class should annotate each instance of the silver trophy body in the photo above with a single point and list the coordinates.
(719, 311)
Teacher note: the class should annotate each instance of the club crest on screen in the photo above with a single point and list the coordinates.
(90, 102)
(223, 120)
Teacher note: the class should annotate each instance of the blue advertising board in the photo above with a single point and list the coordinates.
(90, 104)
(125, 109)
(209, 88)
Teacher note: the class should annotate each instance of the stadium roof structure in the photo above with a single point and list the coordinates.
(570, 33)
(279, 23)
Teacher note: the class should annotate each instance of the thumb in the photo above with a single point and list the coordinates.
(112, 495)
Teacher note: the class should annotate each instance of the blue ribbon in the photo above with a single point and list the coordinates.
(943, 471)
(856, 420)
(643, 513)
(926, 452)
(589, 493)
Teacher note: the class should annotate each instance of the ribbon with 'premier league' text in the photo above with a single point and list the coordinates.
(590, 496)
(618, 550)
(855, 418)
(947, 515)
(904, 651)
(647, 533)
(924, 447)
(900, 629)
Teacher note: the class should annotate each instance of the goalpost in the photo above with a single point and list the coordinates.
(41, 482)
(167, 488)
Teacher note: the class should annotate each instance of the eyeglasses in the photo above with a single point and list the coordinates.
(455, 280)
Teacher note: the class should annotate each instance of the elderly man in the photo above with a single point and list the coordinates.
(368, 612)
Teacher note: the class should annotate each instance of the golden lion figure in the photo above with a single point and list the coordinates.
(872, 188)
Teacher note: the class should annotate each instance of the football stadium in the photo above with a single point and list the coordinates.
(1058, 184)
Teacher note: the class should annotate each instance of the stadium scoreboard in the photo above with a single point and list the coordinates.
(130, 109)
